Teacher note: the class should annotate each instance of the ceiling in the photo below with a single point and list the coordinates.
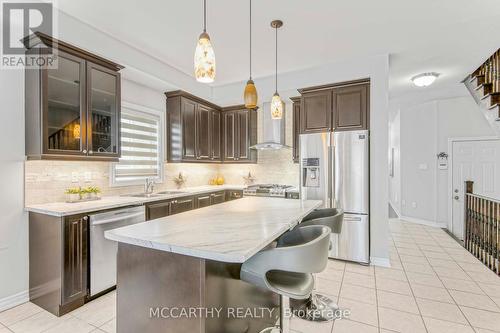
(447, 36)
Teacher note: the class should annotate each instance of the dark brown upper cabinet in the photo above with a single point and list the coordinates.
(239, 133)
(193, 129)
(296, 128)
(216, 131)
(337, 107)
(316, 113)
(350, 107)
(72, 111)
(200, 131)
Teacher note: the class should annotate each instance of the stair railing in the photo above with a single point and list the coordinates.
(482, 219)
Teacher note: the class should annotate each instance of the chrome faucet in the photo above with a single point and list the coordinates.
(149, 186)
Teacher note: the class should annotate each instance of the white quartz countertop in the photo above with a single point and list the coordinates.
(232, 231)
(107, 202)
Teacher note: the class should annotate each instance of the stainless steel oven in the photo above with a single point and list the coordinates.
(103, 251)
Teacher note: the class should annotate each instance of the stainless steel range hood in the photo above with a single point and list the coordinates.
(273, 130)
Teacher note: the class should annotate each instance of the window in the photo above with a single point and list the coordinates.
(141, 146)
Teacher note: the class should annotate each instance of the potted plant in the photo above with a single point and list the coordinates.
(93, 192)
(73, 194)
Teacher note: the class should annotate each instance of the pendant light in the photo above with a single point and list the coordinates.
(250, 93)
(276, 103)
(204, 56)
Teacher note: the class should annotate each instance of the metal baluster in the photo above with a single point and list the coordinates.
(497, 251)
(466, 215)
(474, 225)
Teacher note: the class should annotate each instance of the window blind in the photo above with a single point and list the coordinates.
(140, 147)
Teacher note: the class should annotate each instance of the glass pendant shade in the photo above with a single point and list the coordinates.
(204, 60)
(250, 95)
(276, 107)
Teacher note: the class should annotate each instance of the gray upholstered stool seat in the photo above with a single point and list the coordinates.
(319, 307)
(287, 269)
(330, 217)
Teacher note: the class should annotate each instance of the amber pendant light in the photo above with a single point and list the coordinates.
(250, 93)
(204, 56)
(276, 103)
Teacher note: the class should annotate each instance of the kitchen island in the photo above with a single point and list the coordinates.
(181, 273)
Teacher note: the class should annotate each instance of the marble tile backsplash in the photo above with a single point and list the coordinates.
(46, 181)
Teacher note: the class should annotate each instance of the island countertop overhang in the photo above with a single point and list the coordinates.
(230, 232)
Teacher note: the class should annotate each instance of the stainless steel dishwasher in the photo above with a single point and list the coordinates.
(103, 251)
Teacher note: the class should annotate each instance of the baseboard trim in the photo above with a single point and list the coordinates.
(424, 222)
(393, 206)
(382, 262)
(14, 300)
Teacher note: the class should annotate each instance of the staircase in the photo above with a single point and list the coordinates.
(484, 86)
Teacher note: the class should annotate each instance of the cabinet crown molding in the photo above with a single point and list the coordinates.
(38, 38)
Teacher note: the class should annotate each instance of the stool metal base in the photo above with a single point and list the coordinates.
(317, 308)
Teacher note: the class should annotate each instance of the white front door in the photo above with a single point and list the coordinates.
(478, 161)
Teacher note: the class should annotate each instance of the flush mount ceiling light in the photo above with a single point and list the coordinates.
(424, 79)
(204, 56)
(250, 93)
(276, 103)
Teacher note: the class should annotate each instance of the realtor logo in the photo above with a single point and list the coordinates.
(19, 21)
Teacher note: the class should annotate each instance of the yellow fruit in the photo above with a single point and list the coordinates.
(220, 181)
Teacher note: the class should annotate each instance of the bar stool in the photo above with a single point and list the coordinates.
(319, 307)
(287, 269)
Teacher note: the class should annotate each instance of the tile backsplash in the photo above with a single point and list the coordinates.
(46, 181)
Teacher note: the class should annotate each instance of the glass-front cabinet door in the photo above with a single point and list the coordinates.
(103, 118)
(65, 107)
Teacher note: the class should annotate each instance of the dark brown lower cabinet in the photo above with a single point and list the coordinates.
(181, 205)
(234, 194)
(158, 209)
(203, 200)
(218, 197)
(75, 259)
(58, 262)
(155, 210)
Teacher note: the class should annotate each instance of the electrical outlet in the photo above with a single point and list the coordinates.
(414, 204)
(87, 176)
(74, 177)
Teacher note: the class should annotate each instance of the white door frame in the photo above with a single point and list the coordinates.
(450, 171)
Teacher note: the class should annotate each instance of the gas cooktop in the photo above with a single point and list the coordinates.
(268, 190)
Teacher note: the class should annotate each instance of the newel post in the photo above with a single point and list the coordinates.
(469, 186)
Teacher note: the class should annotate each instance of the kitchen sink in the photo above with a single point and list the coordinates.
(171, 192)
(142, 195)
(152, 195)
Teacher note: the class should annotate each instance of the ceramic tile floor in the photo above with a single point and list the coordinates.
(434, 285)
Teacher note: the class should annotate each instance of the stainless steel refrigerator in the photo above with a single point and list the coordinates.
(334, 168)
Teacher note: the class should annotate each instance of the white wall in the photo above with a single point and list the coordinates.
(425, 129)
(394, 143)
(13, 220)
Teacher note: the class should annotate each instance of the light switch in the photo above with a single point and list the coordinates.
(414, 204)
(423, 166)
(74, 177)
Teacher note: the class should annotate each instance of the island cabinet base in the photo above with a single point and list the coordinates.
(165, 292)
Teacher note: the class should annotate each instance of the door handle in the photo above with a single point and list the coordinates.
(456, 197)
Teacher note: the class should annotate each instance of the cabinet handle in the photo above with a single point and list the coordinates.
(85, 218)
(175, 201)
(85, 151)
